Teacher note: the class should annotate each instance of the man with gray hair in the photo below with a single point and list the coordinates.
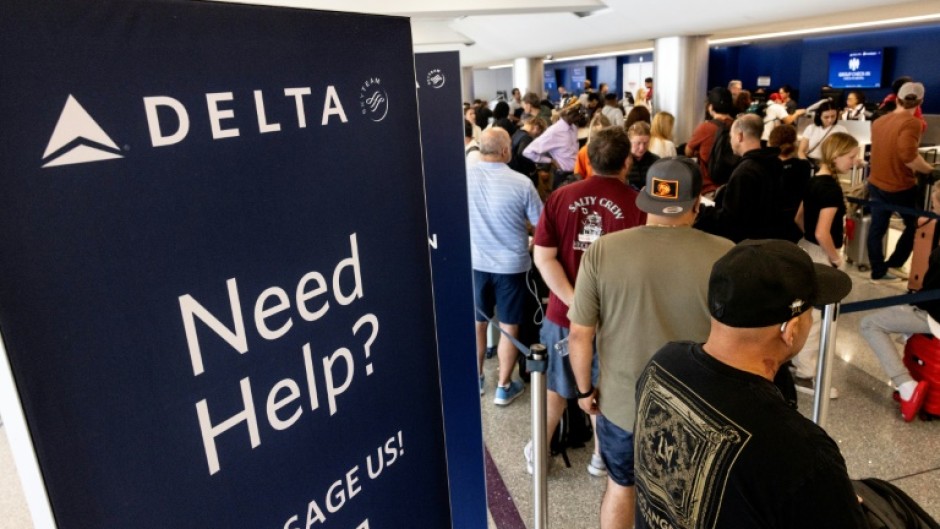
(735, 86)
(501, 202)
(748, 206)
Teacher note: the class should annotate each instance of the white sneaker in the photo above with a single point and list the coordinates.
(530, 459)
(597, 467)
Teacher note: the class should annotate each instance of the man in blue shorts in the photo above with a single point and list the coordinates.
(575, 216)
(501, 202)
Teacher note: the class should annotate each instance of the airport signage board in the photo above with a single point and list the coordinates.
(856, 68)
(445, 177)
(215, 297)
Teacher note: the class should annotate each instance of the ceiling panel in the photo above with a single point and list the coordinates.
(488, 32)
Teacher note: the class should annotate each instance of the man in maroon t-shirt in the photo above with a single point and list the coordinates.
(721, 108)
(575, 216)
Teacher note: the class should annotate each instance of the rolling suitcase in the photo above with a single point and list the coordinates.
(923, 245)
(922, 359)
(856, 236)
(925, 239)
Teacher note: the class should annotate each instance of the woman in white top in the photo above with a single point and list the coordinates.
(824, 124)
(855, 106)
(661, 135)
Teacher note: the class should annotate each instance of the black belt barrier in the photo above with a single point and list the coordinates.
(903, 210)
(903, 299)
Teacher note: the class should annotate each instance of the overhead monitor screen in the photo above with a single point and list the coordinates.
(856, 68)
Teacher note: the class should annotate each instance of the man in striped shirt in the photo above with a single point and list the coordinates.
(502, 204)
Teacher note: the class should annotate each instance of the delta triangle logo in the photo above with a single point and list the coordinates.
(77, 138)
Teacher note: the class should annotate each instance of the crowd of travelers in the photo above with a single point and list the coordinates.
(682, 276)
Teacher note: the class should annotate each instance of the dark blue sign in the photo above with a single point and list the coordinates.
(216, 294)
(550, 84)
(445, 177)
(856, 69)
(578, 77)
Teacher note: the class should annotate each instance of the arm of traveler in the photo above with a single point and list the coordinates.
(580, 354)
(919, 165)
(824, 236)
(798, 219)
(546, 260)
(802, 150)
(701, 132)
(540, 150)
(791, 118)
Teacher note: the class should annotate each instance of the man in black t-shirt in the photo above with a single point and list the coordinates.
(716, 444)
(749, 205)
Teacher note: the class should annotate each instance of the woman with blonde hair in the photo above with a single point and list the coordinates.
(823, 209)
(821, 216)
(661, 135)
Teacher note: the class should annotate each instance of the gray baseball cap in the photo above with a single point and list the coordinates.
(672, 185)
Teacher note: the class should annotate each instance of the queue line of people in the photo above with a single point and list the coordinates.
(634, 260)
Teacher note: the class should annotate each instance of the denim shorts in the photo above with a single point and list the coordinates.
(559, 377)
(616, 451)
(506, 291)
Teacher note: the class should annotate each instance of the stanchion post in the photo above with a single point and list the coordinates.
(827, 347)
(537, 364)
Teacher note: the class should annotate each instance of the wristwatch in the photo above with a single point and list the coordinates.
(587, 393)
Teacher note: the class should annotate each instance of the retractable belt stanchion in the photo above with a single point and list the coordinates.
(827, 346)
(536, 365)
(827, 341)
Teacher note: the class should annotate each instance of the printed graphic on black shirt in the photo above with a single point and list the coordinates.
(684, 452)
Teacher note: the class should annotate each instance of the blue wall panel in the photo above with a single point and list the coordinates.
(804, 63)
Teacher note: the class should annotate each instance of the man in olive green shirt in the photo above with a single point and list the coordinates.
(637, 290)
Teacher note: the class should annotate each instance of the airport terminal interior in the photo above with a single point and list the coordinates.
(864, 419)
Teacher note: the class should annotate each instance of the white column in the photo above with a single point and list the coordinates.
(466, 84)
(680, 81)
(528, 75)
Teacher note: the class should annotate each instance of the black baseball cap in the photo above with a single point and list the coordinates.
(721, 100)
(759, 283)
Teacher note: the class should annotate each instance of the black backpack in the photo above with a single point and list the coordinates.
(888, 507)
(758, 109)
(722, 161)
(573, 431)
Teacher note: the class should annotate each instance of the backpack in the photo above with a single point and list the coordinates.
(887, 507)
(520, 163)
(758, 109)
(573, 431)
(723, 160)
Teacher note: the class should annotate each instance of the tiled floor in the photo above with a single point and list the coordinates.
(863, 420)
(13, 511)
